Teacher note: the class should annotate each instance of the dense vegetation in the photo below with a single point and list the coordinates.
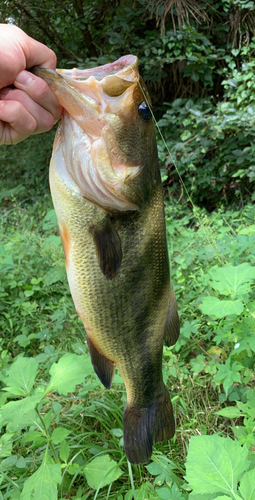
(61, 431)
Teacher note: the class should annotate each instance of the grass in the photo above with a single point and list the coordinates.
(38, 321)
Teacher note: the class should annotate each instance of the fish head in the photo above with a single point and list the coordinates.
(106, 139)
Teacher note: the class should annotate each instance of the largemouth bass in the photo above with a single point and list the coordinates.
(107, 193)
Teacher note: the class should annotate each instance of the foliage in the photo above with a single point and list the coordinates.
(215, 465)
(211, 146)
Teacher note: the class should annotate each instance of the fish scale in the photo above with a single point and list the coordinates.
(115, 239)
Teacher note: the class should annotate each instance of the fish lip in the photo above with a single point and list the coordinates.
(36, 70)
(50, 75)
(100, 72)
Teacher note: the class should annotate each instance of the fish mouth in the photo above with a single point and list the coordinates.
(97, 102)
(121, 67)
(87, 94)
(84, 84)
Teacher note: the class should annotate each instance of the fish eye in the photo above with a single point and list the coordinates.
(144, 111)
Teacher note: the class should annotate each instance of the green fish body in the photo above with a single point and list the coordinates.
(107, 193)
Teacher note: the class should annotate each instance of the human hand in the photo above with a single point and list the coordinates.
(30, 107)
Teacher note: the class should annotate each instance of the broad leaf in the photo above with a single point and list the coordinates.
(21, 376)
(247, 485)
(146, 492)
(42, 485)
(101, 471)
(59, 434)
(211, 306)
(228, 374)
(64, 450)
(15, 413)
(229, 280)
(6, 445)
(21, 463)
(68, 372)
(214, 464)
(229, 412)
(162, 468)
(170, 493)
(208, 496)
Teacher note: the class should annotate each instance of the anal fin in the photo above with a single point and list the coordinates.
(104, 368)
(172, 328)
(108, 247)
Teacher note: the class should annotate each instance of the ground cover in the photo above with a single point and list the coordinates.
(61, 431)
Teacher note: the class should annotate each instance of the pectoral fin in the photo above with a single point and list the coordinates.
(172, 328)
(108, 248)
(104, 368)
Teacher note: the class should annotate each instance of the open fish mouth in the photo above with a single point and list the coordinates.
(112, 79)
(100, 105)
(120, 67)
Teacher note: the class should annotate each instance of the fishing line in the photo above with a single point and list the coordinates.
(203, 226)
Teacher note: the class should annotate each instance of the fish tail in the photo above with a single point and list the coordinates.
(145, 426)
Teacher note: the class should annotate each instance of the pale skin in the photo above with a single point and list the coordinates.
(30, 107)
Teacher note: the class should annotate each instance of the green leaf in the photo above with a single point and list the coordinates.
(102, 471)
(230, 279)
(198, 364)
(42, 485)
(59, 434)
(162, 468)
(21, 463)
(214, 464)
(247, 485)
(170, 493)
(146, 492)
(228, 374)
(70, 370)
(47, 419)
(64, 451)
(21, 376)
(117, 432)
(229, 412)
(52, 276)
(194, 496)
(211, 306)
(248, 230)
(185, 135)
(50, 220)
(31, 436)
(15, 413)
(163, 493)
(9, 462)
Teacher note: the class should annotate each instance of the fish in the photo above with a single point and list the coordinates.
(107, 193)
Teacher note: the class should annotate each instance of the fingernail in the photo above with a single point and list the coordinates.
(24, 78)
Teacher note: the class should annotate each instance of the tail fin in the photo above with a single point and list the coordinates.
(145, 426)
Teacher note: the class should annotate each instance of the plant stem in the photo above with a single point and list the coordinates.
(48, 437)
(131, 478)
